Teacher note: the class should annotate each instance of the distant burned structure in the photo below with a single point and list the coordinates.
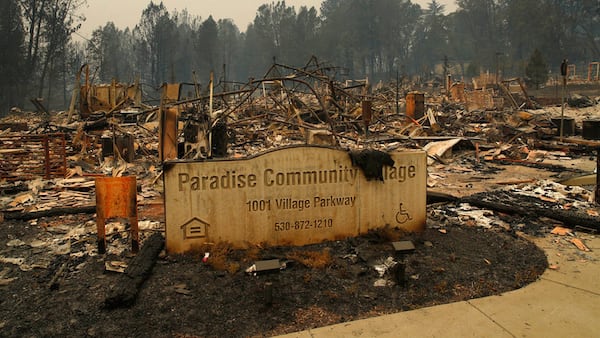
(105, 97)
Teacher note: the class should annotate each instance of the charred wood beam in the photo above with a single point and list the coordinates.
(546, 166)
(510, 204)
(440, 197)
(565, 147)
(588, 143)
(25, 216)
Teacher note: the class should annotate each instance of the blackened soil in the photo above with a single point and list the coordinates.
(320, 285)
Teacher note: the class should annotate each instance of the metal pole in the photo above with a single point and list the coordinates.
(563, 72)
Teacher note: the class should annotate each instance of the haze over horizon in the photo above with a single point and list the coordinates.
(98, 13)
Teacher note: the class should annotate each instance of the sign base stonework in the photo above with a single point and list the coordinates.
(290, 196)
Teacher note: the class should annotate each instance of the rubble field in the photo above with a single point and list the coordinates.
(497, 177)
(54, 282)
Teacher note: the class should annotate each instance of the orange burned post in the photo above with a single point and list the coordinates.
(116, 197)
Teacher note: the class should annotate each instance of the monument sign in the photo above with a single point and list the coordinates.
(290, 196)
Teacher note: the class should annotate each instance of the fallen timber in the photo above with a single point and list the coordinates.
(506, 202)
(127, 287)
(26, 216)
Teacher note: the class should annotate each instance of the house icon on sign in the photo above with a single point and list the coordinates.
(194, 228)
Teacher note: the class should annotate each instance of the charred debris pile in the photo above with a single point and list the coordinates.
(49, 159)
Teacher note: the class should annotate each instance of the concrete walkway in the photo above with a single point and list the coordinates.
(564, 302)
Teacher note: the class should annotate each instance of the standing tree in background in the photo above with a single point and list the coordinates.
(155, 33)
(49, 25)
(351, 35)
(581, 28)
(185, 58)
(529, 24)
(431, 39)
(536, 69)
(270, 36)
(33, 14)
(396, 31)
(61, 22)
(12, 54)
(110, 54)
(335, 37)
(167, 37)
(476, 33)
(229, 48)
(304, 36)
(208, 47)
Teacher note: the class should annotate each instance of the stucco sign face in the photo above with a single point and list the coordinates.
(290, 196)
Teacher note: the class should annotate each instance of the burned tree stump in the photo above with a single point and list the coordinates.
(125, 291)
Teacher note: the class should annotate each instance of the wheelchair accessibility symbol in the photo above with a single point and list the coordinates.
(402, 216)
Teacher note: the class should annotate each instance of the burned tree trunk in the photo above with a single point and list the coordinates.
(124, 292)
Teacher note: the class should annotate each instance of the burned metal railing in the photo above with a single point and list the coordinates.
(24, 157)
